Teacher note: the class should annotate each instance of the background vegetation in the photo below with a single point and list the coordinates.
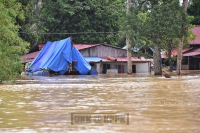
(151, 23)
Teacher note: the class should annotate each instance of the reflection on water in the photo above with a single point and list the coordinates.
(155, 104)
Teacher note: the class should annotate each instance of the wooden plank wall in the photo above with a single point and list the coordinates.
(103, 50)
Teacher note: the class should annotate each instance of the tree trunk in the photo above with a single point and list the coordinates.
(170, 61)
(185, 4)
(179, 56)
(129, 56)
(37, 14)
(128, 46)
(157, 60)
(180, 46)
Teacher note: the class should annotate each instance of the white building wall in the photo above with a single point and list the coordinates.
(125, 68)
(113, 66)
(142, 67)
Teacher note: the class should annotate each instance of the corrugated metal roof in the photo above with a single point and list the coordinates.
(78, 46)
(124, 59)
(133, 59)
(193, 53)
(196, 31)
(174, 52)
(29, 57)
(94, 59)
(84, 46)
(137, 49)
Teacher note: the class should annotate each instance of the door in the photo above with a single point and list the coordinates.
(133, 68)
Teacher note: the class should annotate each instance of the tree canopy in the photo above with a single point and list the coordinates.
(155, 22)
(11, 45)
(151, 23)
(194, 10)
(96, 21)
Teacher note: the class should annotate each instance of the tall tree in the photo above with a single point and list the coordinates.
(87, 21)
(128, 45)
(183, 30)
(11, 45)
(169, 44)
(27, 29)
(164, 21)
(182, 20)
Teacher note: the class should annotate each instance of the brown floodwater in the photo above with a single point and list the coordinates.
(151, 104)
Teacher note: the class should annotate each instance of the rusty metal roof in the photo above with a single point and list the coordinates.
(174, 52)
(196, 31)
(84, 46)
(193, 53)
(124, 59)
(30, 57)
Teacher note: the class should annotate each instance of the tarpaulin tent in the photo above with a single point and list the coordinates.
(57, 56)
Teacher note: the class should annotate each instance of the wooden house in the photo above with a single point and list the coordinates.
(191, 54)
(104, 57)
(191, 58)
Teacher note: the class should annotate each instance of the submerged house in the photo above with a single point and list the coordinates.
(191, 58)
(104, 58)
(191, 54)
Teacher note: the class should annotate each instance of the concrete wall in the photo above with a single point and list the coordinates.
(142, 67)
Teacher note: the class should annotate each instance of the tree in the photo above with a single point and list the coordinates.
(27, 29)
(167, 21)
(96, 21)
(183, 30)
(160, 23)
(171, 43)
(168, 45)
(12, 46)
(194, 10)
(132, 30)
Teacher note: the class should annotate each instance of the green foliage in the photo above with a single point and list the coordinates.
(162, 20)
(11, 45)
(165, 21)
(87, 21)
(27, 26)
(194, 10)
(134, 27)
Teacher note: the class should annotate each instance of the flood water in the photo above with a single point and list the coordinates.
(152, 104)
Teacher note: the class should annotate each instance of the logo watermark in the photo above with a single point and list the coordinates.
(99, 118)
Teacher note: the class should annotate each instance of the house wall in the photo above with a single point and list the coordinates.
(103, 50)
(184, 67)
(122, 67)
(142, 67)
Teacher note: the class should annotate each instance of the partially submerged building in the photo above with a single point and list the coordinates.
(191, 58)
(59, 57)
(104, 58)
(191, 54)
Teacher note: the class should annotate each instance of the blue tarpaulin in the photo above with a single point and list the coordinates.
(57, 55)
